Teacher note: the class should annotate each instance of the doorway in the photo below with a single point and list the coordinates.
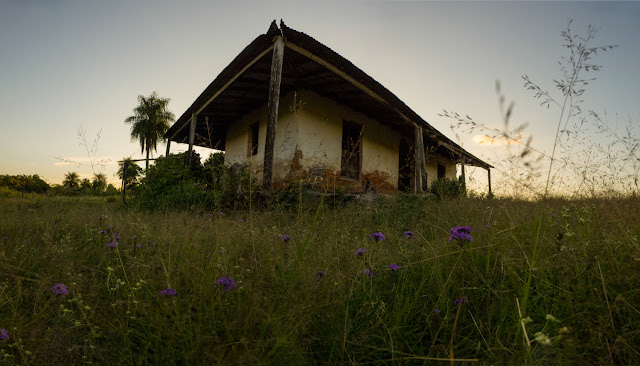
(351, 151)
(405, 166)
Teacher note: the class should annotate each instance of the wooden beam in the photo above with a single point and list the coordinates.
(192, 137)
(226, 85)
(420, 166)
(341, 73)
(489, 179)
(464, 181)
(348, 78)
(272, 108)
(168, 147)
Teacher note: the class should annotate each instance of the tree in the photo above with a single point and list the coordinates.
(24, 183)
(133, 172)
(111, 190)
(85, 184)
(151, 119)
(99, 182)
(71, 180)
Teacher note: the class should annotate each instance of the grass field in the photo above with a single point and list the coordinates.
(553, 282)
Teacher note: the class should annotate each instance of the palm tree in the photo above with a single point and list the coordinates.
(99, 182)
(150, 121)
(71, 180)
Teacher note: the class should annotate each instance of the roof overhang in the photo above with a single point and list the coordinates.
(308, 64)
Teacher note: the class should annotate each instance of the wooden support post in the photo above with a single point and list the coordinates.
(489, 180)
(124, 181)
(192, 137)
(420, 168)
(462, 177)
(272, 108)
(168, 146)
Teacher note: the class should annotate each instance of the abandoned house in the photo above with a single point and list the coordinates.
(288, 106)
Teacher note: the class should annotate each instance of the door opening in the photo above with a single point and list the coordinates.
(405, 166)
(351, 150)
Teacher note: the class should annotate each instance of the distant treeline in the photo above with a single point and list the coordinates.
(11, 185)
(25, 183)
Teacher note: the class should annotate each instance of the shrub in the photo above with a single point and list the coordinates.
(445, 188)
(170, 183)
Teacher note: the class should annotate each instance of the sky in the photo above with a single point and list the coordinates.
(70, 66)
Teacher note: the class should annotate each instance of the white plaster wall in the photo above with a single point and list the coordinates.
(432, 162)
(237, 141)
(319, 131)
(312, 124)
(320, 122)
(380, 150)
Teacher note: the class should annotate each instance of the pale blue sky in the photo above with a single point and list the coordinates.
(66, 63)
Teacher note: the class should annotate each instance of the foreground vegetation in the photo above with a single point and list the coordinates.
(84, 281)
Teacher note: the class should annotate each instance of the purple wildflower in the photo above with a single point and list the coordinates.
(553, 215)
(102, 232)
(241, 220)
(360, 251)
(112, 245)
(221, 213)
(408, 234)
(487, 226)
(116, 236)
(394, 267)
(4, 335)
(379, 236)
(134, 237)
(462, 300)
(286, 238)
(59, 289)
(320, 274)
(169, 292)
(368, 272)
(436, 311)
(461, 234)
(5, 237)
(139, 245)
(227, 283)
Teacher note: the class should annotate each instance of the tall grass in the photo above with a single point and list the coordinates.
(308, 300)
(589, 157)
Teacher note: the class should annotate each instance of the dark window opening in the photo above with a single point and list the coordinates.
(441, 171)
(351, 145)
(405, 166)
(254, 129)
